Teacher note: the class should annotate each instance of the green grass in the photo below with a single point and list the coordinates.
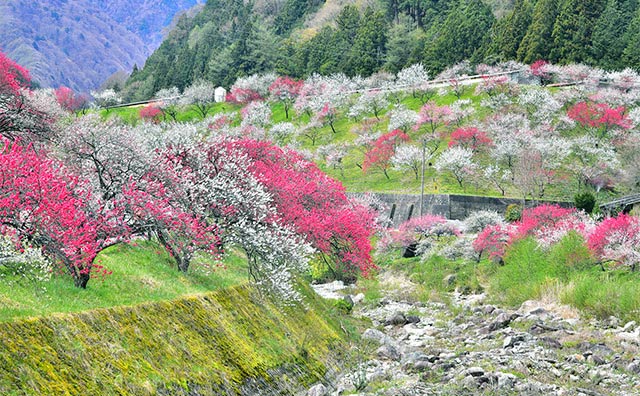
(140, 273)
(565, 273)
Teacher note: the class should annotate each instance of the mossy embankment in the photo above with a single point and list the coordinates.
(225, 342)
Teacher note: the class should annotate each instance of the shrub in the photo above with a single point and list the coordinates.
(585, 201)
(493, 240)
(550, 223)
(617, 239)
(478, 221)
(461, 248)
(513, 213)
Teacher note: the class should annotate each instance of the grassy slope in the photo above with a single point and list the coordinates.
(141, 273)
(351, 174)
(209, 344)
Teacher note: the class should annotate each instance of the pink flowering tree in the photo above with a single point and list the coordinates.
(150, 113)
(285, 90)
(541, 69)
(431, 119)
(327, 115)
(471, 138)
(40, 205)
(617, 239)
(492, 241)
(314, 205)
(423, 230)
(600, 120)
(548, 224)
(379, 156)
(70, 100)
(19, 119)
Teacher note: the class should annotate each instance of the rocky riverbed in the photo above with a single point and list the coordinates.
(469, 347)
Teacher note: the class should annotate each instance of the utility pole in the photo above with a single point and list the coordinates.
(424, 149)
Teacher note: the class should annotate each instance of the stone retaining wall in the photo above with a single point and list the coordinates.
(402, 207)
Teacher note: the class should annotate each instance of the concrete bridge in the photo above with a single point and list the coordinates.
(620, 205)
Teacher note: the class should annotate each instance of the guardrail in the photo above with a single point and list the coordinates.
(623, 202)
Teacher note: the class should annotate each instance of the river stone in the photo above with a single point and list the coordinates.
(358, 298)
(422, 365)
(634, 367)
(396, 319)
(374, 335)
(317, 390)
(502, 321)
(412, 319)
(629, 327)
(506, 380)
(474, 371)
(550, 342)
(388, 351)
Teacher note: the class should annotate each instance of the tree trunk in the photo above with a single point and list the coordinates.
(81, 279)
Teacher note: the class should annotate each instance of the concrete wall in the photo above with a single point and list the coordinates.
(402, 207)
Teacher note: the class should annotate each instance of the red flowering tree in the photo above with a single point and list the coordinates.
(18, 117)
(69, 100)
(540, 68)
(150, 113)
(600, 119)
(13, 77)
(242, 95)
(617, 239)
(382, 151)
(314, 205)
(493, 241)
(39, 205)
(471, 138)
(286, 90)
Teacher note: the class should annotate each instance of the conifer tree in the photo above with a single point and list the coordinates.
(507, 33)
(631, 54)
(573, 28)
(537, 41)
(608, 37)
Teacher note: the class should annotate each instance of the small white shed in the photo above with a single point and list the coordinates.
(220, 95)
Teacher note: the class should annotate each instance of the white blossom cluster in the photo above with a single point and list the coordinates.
(402, 118)
(22, 261)
(259, 83)
(108, 97)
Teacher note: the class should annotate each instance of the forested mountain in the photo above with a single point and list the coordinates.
(79, 43)
(232, 38)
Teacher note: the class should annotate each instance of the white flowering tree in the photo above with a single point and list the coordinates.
(415, 79)
(459, 162)
(402, 118)
(370, 102)
(106, 98)
(167, 100)
(200, 95)
(256, 114)
(408, 157)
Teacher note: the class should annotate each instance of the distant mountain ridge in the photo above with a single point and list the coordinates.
(80, 43)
